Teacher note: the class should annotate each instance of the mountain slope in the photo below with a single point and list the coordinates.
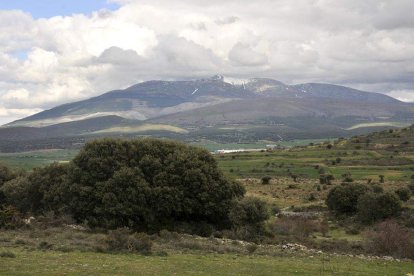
(216, 110)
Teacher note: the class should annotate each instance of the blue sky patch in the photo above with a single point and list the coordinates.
(50, 8)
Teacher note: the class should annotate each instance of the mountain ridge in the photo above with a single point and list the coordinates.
(213, 109)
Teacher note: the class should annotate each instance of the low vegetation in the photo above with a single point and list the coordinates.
(168, 200)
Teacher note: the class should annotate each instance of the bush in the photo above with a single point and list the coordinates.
(403, 193)
(373, 207)
(378, 189)
(249, 211)
(297, 227)
(117, 240)
(121, 240)
(266, 180)
(7, 254)
(312, 197)
(391, 239)
(343, 199)
(411, 187)
(44, 245)
(10, 217)
(148, 184)
(139, 242)
(347, 177)
(251, 248)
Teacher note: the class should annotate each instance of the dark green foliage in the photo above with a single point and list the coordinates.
(249, 211)
(5, 175)
(42, 190)
(403, 193)
(266, 180)
(148, 184)
(312, 197)
(326, 179)
(378, 189)
(411, 187)
(347, 177)
(7, 254)
(381, 178)
(343, 199)
(372, 207)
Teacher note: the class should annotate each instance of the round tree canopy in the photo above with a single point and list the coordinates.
(148, 184)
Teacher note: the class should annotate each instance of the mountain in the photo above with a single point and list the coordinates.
(212, 109)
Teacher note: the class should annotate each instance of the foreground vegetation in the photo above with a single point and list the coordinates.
(325, 208)
(86, 263)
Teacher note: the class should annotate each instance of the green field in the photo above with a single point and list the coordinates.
(30, 160)
(362, 164)
(82, 263)
(306, 162)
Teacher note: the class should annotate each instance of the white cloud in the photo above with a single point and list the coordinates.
(365, 44)
(402, 95)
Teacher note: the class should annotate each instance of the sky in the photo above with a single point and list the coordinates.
(54, 52)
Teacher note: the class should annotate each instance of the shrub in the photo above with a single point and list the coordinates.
(117, 240)
(7, 254)
(120, 240)
(378, 189)
(249, 211)
(297, 227)
(139, 242)
(391, 239)
(251, 248)
(347, 177)
(403, 193)
(10, 217)
(329, 179)
(373, 207)
(411, 187)
(312, 197)
(343, 199)
(148, 184)
(266, 180)
(44, 245)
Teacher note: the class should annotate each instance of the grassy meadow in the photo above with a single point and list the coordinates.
(85, 263)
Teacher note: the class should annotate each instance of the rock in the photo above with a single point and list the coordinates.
(28, 220)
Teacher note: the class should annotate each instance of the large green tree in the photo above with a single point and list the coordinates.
(148, 184)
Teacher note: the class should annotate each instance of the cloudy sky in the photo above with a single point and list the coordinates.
(57, 51)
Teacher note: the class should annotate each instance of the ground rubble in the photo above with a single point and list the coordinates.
(296, 247)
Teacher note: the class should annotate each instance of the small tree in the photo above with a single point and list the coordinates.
(372, 207)
(347, 177)
(381, 178)
(249, 211)
(343, 199)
